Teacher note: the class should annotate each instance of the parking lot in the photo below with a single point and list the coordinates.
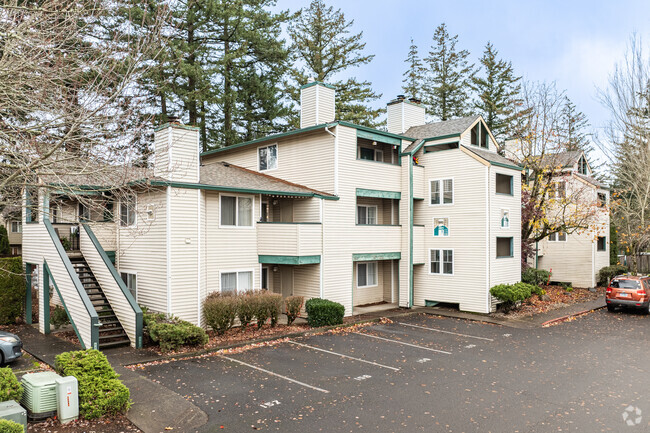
(424, 373)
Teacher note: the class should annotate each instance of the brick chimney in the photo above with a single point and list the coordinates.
(404, 113)
(316, 104)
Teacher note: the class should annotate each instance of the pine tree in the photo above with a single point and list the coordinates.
(324, 47)
(4, 241)
(414, 75)
(448, 75)
(573, 129)
(497, 92)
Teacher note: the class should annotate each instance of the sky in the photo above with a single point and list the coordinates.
(575, 44)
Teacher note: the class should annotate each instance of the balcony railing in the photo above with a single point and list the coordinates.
(289, 239)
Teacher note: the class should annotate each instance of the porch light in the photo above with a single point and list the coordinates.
(275, 268)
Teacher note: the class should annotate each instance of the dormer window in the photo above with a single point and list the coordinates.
(479, 136)
(582, 166)
(268, 157)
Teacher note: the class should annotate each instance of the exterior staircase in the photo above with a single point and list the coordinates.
(111, 333)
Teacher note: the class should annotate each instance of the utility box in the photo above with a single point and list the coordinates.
(12, 411)
(39, 397)
(67, 394)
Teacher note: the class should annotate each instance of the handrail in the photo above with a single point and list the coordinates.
(125, 290)
(94, 318)
(290, 222)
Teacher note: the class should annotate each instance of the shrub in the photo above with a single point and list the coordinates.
(608, 272)
(274, 304)
(293, 305)
(247, 307)
(171, 336)
(12, 290)
(58, 317)
(10, 388)
(262, 308)
(322, 312)
(4, 241)
(220, 311)
(8, 426)
(100, 390)
(536, 277)
(509, 294)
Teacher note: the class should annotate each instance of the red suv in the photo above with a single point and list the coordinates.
(628, 291)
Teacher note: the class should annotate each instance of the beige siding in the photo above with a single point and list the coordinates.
(292, 239)
(307, 159)
(371, 294)
(403, 115)
(419, 190)
(306, 281)
(106, 234)
(405, 230)
(14, 238)
(306, 210)
(110, 287)
(317, 105)
(143, 250)
(184, 152)
(467, 233)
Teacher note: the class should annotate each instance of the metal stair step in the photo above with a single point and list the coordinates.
(108, 337)
(111, 344)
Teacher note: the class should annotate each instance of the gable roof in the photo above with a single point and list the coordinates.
(591, 180)
(493, 158)
(445, 128)
(566, 158)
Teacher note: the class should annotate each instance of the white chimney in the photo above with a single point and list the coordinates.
(316, 104)
(176, 152)
(403, 113)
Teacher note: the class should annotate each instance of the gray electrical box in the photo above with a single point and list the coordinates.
(67, 395)
(13, 412)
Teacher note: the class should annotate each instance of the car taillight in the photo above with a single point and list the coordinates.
(609, 290)
(641, 292)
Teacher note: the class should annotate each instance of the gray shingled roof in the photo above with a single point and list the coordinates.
(491, 156)
(228, 175)
(76, 171)
(438, 129)
(592, 181)
(563, 159)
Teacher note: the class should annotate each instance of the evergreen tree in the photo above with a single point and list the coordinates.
(448, 75)
(414, 75)
(573, 129)
(497, 92)
(324, 46)
(4, 241)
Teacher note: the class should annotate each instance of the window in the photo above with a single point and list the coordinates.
(54, 214)
(582, 166)
(441, 262)
(505, 219)
(440, 227)
(559, 237)
(370, 154)
(16, 227)
(557, 190)
(268, 157)
(602, 243)
(602, 199)
(504, 184)
(479, 136)
(131, 283)
(127, 211)
(504, 248)
(442, 191)
(366, 214)
(366, 274)
(31, 204)
(84, 213)
(236, 211)
(233, 282)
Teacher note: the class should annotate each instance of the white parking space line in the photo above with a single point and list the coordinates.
(275, 374)
(403, 343)
(445, 332)
(343, 356)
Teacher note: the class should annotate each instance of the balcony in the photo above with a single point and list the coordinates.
(289, 239)
(419, 255)
(376, 238)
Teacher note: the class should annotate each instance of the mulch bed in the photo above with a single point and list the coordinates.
(113, 424)
(559, 298)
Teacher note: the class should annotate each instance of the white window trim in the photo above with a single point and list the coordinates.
(277, 157)
(135, 210)
(435, 224)
(557, 237)
(442, 191)
(501, 217)
(19, 224)
(367, 206)
(376, 275)
(453, 262)
(237, 271)
(375, 150)
(236, 226)
(137, 279)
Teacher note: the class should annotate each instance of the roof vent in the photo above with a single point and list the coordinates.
(173, 119)
(401, 97)
(415, 100)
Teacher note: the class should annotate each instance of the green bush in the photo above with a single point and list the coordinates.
(171, 336)
(247, 307)
(509, 294)
(4, 241)
(220, 311)
(608, 272)
(322, 312)
(274, 304)
(536, 277)
(8, 426)
(58, 317)
(262, 308)
(10, 388)
(100, 390)
(12, 290)
(293, 305)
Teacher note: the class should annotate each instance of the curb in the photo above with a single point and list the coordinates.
(563, 318)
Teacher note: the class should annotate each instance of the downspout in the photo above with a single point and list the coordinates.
(488, 251)
(168, 220)
(410, 163)
(322, 248)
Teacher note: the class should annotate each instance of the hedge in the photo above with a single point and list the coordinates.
(100, 390)
(509, 294)
(322, 312)
(10, 388)
(608, 272)
(8, 426)
(12, 290)
(537, 277)
(220, 311)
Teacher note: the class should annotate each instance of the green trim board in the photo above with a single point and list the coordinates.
(374, 193)
(125, 291)
(239, 190)
(111, 256)
(315, 83)
(374, 131)
(48, 276)
(366, 257)
(426, 140)
(288, 260)
(501, 164)
(378, 137)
